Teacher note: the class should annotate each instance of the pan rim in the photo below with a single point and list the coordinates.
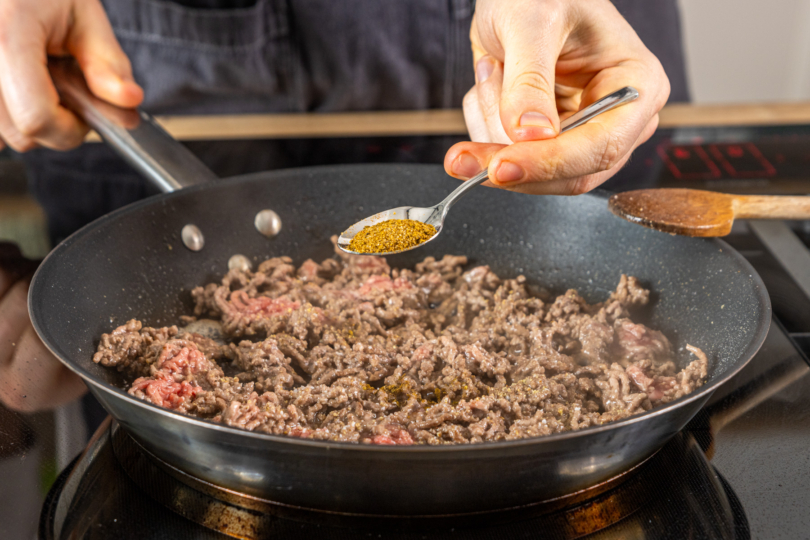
(748, 353)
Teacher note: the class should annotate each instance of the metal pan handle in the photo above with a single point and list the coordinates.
(133, 134)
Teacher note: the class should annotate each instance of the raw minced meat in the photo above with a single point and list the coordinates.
(352, 350)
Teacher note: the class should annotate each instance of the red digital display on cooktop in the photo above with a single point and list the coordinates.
(714, 161)
(764, 158)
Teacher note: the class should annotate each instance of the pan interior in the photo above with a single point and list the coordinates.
(132, 264)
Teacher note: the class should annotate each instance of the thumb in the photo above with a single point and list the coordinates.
(528, 106)
(105, 66)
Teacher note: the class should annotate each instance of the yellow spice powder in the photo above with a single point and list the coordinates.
(391, 235)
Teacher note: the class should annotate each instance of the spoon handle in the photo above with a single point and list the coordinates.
(616, 99)
(771, 207)
(607, 103)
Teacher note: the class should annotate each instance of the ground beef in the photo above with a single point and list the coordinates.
(352, 350)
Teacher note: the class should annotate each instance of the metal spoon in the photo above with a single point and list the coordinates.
(435, 215)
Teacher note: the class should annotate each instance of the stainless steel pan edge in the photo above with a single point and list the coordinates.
(386, 480)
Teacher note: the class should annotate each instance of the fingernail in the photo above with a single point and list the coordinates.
(508, 172)
(484, 68)
(534, 126)
(466, 166)
(535, 119)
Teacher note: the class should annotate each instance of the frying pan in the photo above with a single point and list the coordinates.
(132, 263)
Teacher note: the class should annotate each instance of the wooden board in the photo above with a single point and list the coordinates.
(754, 114)
(441, 122)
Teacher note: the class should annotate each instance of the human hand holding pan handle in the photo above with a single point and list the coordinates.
(132, 133)
(31, 114)
(31, 378)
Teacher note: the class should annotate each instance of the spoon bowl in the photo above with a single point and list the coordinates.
(435, 215)
(431, 215)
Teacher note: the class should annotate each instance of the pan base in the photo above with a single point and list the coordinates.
(117, 488)
(139, 463)
(236, 514)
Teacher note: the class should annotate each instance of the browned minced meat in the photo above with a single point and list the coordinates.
(351, 350)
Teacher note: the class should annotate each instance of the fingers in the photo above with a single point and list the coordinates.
(30, 111)
(30, 100)
(489, 98)
(582, 184)
(594, 147)
(568, 100)
(464, 160)
(103, 62)
(9, 132)
(474, 117)
(31, 378)
(482, 103)
(532, 44)
(559, 166)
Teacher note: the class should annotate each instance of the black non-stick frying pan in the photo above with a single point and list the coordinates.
(133, 264)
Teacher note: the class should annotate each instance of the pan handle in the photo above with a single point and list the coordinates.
(132, 134)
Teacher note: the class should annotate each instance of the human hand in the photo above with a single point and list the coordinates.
(30, 31)
(31, 378)
(540, 61)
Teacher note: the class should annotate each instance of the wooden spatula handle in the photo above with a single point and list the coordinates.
(771, 207)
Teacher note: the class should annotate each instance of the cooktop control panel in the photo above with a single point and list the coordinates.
(768, 159)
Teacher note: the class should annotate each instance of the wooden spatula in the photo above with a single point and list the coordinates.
(693, 212)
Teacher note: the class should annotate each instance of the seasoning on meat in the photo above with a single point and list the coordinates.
(391, 235)
(352, 350)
